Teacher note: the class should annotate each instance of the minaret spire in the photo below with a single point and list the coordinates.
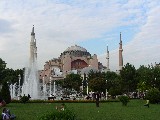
(32, 33)
(33, 48)
(120, 54)
(107, 59)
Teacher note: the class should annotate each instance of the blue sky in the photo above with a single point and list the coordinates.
(92, 24)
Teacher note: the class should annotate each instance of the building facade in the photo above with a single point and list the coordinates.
(73, 60)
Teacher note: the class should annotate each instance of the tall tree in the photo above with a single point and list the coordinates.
(129, 82)
(97, 84)
(5, 92)
(2, 70)
(73, 81)
(143, 76)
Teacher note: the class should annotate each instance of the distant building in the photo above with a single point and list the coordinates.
(74, 59)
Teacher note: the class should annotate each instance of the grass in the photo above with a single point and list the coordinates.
(88, 111)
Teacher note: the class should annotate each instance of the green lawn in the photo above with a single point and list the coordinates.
(88, 111)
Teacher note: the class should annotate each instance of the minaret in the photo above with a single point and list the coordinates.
(120, 54)
(33, 48)
(107, 59)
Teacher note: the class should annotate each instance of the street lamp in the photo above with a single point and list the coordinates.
(87, 87)
(106, 90)
(87, 83)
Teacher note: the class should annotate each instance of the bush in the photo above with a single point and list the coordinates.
(124, 100)
(24, 99)
(153, 95)
(59, 115)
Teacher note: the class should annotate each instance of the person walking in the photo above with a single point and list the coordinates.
(97, 99)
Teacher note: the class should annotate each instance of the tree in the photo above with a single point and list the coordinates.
(143, 77)
(2, 69)
(155, 80)
(5, 92)
(149, 75)
(97, 84)
(115, 87)
(153, 95)
(129, 82)
(72, 81)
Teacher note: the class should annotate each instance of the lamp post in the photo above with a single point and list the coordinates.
(87, 83)
(106, 90)
(19, 77)
(87, 87)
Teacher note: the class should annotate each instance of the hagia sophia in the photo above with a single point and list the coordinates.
(75, 59)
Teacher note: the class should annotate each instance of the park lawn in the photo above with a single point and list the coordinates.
(88, 111)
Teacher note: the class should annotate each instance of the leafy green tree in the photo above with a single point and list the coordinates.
(5, 92)
(143, 77)
(115, 88)
(72, 81)
(142, 86)
(2, 69)
(97, 84)
(91, 75)
(153, 95)
(97, 81)
(113, 83)
(149, 75)
(129, 82)
(155, 79)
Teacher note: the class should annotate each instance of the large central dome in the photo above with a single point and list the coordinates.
(76, 48)
(76, 51)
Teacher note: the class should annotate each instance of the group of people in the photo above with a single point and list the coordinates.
(6, 115)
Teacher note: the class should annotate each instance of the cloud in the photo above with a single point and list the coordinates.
(60, 24)
(5, 26)
(143, 48)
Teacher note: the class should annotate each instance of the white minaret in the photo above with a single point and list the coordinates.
(107, 59)
(33, 48)
(120, 54)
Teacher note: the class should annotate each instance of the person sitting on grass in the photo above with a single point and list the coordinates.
(147, 103)
(6, 115)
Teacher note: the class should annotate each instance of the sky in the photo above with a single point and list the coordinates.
(92, 24)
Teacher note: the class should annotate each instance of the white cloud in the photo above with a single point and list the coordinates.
(59, 24)
(144, 47)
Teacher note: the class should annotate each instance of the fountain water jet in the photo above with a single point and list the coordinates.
(31, 81)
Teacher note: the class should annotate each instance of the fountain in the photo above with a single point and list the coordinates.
(31, 81)
(31, 85)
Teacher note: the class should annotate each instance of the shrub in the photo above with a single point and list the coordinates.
(153, 95)
(59, 115)
(24, 99)
(124, 100)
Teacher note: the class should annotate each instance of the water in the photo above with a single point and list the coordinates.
(31, 83)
